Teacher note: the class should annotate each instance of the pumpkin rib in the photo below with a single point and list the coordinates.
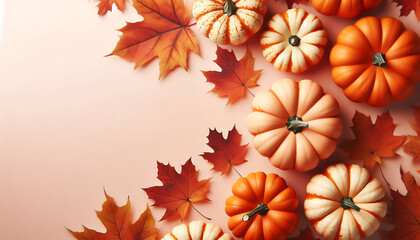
(341, 74)
(312, 147)
(360, 89)
(320, 133)
(327, 174)
(359, 227)
(278, 99)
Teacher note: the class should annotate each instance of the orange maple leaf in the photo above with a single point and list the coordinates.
(305, 235)
(412, 147)
(227, 153)
(236, 77)
(179, 191)
(106, 5)
(164, 33)
(117, 221)
(405, 211)
(408, 6)
(372, 141)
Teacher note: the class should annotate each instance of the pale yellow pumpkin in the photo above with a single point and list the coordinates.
(197, 230)
(345, 203)
(295, 124)
(229, 21)
(294, 41)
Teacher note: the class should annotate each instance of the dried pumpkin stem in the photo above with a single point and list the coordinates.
(294, 40)
(229, 8)
(379, 60)
(296, 124)
(347, 203)
(261, 209)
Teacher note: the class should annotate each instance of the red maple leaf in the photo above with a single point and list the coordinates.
(412, 147)
(106, 5)
(408, 6)
(164, 33)
(227, 153)
(117, 221)
(179, 190)
(305, 235)
(405, 211)
(236, 77)
(372, 141)
(290, 2)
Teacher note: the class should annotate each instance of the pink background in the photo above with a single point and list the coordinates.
(73, 122)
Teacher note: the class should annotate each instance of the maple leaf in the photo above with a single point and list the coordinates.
(412, 147)
(236, 77)
(106, 5)
(408, 6)
(405, 213)
(178, 191)
(305, 235)
(290, 2)
(117, 221)
(227, 153)
(372, 141)
(163, 33)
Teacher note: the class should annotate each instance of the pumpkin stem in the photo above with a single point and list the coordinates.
(294, 40)
(379, 60)
(296, 124)
(261, 209)
(229, 8)
(347, 203)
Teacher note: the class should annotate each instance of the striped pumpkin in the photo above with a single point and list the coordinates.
(229, 21)
(345, 202)
(197, 230)
(295, 41)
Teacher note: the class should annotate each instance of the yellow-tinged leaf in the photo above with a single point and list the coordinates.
(164, 33)
(118, 223)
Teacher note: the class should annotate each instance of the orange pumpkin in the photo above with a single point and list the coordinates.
(345, 203)
(229, 21)
(295, 124)
(376, 61)
(262, 207)
(344, 8)
(294, 41)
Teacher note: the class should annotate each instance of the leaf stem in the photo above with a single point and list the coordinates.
(382, 173)
(235, 169)
(199, 212)
(192, 24)
(250, 91)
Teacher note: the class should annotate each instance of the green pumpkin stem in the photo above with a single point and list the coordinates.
(294, 40)
(296, 124)
(229, 8)
(261, 209)
(347, 203)
(379, 60)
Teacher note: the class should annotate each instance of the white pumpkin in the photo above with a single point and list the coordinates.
(229, 21)
(197, 230)
(345, 203)
(295, 41)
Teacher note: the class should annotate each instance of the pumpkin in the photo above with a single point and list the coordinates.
(294, 41)
(197, 230)
(344, 8)
(295, 124)
(229, 21)
(262, 207)
(376, 61)
(345, 202)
